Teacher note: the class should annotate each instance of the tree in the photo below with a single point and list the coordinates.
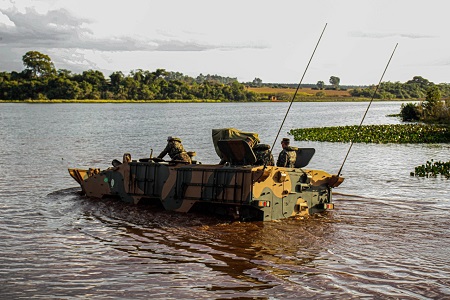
(64, 73)
(116, 79)
(420, 81)
(160, 73)
(320, 85)
(39, 64)
(257, 82)
(63, 88)
(335, 82)
(432, 99)
(94, 77)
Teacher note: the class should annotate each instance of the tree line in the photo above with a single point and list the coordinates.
(40, 80)
(416, 88)
(320, 85)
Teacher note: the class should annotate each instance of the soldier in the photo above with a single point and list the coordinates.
(175, 150)
(263, 155)
(287, 156)
(126, 159)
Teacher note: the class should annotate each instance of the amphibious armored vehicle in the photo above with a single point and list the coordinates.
(239, 187)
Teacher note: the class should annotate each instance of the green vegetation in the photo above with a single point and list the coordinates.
(408, 112)
(432, 110)
(40, 81)
(433, 169)
(412, 89)
(320, 85)
(334, 80)
(37, 64)
(111, 101)
(381, 134)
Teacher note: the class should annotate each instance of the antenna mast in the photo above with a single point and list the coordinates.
(373, 96)
(298, 87)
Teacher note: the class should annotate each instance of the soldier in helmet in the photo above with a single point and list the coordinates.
(287, 156)
(263, 155)
(175, 150)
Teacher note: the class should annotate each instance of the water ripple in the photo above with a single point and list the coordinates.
(386, 239)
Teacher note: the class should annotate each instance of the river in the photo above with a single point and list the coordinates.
(388, 237)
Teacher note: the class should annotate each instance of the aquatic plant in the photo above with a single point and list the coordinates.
(432, 169)
(379, 134)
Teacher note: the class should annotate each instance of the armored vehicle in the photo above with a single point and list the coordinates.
(240, 187)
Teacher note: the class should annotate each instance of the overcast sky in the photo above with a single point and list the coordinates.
(270, 40)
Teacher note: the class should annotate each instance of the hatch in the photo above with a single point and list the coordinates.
(237, 152)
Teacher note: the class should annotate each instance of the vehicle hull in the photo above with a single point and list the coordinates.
(260, 193)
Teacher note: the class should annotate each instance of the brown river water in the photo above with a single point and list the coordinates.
(388, 237)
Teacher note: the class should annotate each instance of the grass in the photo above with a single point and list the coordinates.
(110, 101)
(300, 98)
(310, 95)
(305, 91)
(380, 134)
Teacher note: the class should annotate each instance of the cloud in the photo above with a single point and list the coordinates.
(380, 35)
(54, 29)
(60, 29)
(69, 40)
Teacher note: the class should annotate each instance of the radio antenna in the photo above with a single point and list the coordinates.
(373, 96)
(296, 91)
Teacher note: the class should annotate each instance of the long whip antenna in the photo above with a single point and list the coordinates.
(298, 87)
(373, 96)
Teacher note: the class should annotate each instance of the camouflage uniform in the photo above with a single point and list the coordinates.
(263, 155)
(287, 157)
(175, 150)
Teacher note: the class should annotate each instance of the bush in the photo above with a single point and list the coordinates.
(409, 112)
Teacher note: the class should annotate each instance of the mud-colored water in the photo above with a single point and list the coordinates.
(388, 237)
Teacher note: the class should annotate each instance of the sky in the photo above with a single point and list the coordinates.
(245, 39)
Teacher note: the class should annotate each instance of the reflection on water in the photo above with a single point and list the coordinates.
(387, 238)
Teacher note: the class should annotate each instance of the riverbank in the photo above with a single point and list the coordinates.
(109, 101)
(305, 99)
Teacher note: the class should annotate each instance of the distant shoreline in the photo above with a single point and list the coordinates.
(264, 94)
(100, 101)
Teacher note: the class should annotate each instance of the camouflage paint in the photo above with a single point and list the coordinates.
(246, 192)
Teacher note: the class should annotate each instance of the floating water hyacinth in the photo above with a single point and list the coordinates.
(433, 169)
(379, 134)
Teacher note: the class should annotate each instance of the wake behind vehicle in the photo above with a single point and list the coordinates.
(238, 188)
